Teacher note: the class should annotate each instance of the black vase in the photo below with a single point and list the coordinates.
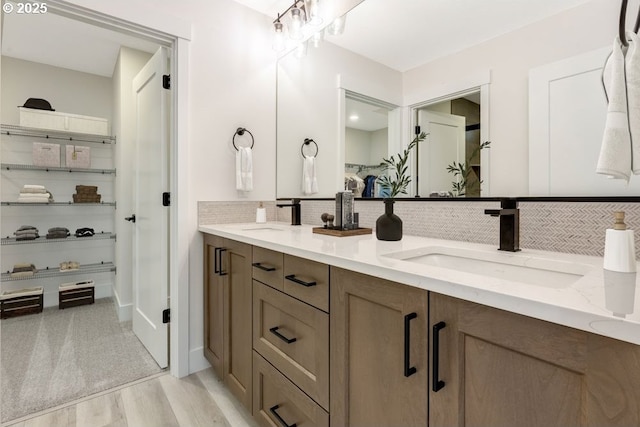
(389, 225)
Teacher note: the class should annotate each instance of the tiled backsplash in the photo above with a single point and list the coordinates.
(572, 227)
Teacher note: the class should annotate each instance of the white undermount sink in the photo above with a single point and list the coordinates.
(517, 266)
(261, 228)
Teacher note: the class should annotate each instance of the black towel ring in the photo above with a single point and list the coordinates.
(622, 25)
(241, 131)
(308, 141)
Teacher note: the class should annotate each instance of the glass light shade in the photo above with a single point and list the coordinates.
(337, 26)
(278, 37)
(317, 38)
(313, 12)
(295, 24)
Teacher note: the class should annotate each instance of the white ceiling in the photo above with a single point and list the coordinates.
(62, 42)
(403, 34)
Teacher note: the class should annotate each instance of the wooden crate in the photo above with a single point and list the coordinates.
(82, 293)
(21, 302)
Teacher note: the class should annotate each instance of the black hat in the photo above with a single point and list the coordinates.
(38, 104)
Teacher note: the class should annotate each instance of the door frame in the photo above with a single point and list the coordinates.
(118, 15)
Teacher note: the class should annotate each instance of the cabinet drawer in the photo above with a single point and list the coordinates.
(293, 337)
(278, 402)
(267, 267)
(307, 280)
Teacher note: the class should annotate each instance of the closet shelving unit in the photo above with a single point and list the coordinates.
(29, 135)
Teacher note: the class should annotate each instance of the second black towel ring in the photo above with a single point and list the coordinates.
(241, 131)
(308, 141)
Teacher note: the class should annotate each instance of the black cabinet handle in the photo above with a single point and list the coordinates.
(220, 272)
(216, 267)
(294, 279)
(408, 370)
(275, 414)
(262, 267)
(275, 332)
(437, 384)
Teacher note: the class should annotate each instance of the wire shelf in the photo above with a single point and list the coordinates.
(58, 204)
(103, 267)
(6, 241)
(56, 135)
(12, 166)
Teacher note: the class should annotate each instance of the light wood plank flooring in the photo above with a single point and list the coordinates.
(163, 400)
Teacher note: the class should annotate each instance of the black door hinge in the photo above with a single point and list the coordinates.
(166, 81)
(166, 199)
(166, 315)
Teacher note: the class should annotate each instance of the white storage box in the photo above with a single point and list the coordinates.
(78, 156)
(45, 154)
(43, 119)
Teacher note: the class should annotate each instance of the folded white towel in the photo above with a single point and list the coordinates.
(309, 180)
(34, 187)
(33, 190)
(22, 199)
(615, 153)
(244, 169)
(632, 67)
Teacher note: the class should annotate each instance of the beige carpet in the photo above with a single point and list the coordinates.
(60, 355)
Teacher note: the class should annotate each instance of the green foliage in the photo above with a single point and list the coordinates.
(397, 180)
(462, 171)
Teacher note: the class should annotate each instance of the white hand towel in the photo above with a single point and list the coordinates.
(632, 62)
(244, 169)
(309, 180)
(615, 153)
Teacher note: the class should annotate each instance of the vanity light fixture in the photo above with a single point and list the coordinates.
(301, 19)
(337, 26)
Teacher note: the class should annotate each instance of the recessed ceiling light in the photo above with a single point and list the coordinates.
(354, 117)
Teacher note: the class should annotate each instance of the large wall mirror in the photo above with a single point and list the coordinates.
(464, 81)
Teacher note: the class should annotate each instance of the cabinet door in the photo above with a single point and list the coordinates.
(502, 369)
(213, 303)
(370, 355)
(236, 270)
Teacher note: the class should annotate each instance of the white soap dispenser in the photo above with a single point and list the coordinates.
(261, 214)
(619, 247)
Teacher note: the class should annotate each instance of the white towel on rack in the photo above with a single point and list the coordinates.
(309, 180)
(615, 153)
(632, 66)
(244, 169)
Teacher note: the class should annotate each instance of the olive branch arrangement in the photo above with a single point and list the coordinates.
(462, 171)
(398, 182)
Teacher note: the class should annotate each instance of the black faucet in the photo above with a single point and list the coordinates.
(295, 211)
(509, 224)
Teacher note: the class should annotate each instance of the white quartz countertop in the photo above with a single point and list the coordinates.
(588, 303)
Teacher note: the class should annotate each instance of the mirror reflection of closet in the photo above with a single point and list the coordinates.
(453, 128)
(371, 128)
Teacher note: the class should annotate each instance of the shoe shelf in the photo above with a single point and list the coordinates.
(11, 166)
(43, 239)
(56, 135)
(102, 267)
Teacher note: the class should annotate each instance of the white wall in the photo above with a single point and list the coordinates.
(364, 147)
(21, 80)
(510, 57)
(130, 62)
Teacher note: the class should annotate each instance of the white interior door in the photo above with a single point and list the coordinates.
(151, 243)
(444, 144)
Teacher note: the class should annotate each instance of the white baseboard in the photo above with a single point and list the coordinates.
(125, 311)
(197, 361)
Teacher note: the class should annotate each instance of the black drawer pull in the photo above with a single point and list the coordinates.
(275, 332)
(275, 414)
(437, 384)
(408, 370)
(262, 267)
(220, 272)
(216, 268)
(293, 278)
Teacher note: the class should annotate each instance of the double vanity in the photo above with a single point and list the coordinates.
(309, 329)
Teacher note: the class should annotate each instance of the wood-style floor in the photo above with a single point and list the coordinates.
(163, 400)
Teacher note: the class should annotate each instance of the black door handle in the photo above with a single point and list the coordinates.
(131, 218)
(294, 279)
(437, 384)
(220, 272)
(275, 414)
(408, 370)
(275, 332)
(262, 267)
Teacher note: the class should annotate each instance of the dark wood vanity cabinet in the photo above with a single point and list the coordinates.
(490, 367)
(227, 314)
